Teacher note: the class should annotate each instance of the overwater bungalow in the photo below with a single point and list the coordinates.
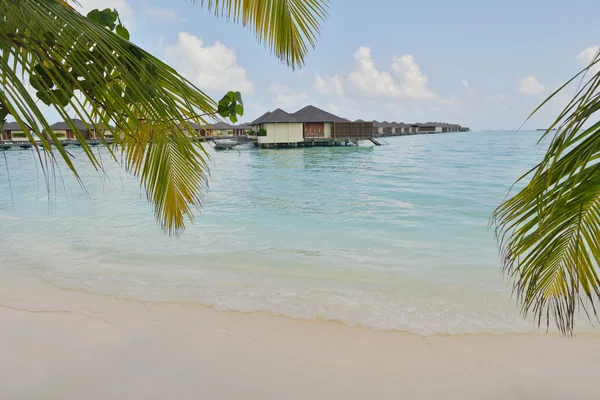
(377, 128)
(219, 129)
(401, 129)
(241, 129)
(107, 132)
(386, 128)
(63, 131)
(12, 132)
(309, 126)
(430, 127)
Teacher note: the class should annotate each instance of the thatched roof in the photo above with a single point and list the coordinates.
(260, 119)
(221, 126)
(62, 125)
(11, 126)
(279, 116)
(313, 114)
(307, 114)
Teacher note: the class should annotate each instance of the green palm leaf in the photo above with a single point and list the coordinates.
(87, 68)
(288, 27)
(549, 232)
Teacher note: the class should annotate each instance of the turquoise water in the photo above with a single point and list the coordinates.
(392, 237)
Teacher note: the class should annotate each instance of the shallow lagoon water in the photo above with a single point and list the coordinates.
(393, 237)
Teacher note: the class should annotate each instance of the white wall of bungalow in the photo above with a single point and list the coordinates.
(309, 123)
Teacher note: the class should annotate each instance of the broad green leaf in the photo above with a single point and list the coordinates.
(122, 31)
(102, 17)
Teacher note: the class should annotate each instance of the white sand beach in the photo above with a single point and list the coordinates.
(65, 344)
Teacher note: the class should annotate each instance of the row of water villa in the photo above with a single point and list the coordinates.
(13, 135)
(399, 128)
(309, 126)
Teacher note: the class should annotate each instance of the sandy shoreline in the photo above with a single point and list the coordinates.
(57, 344)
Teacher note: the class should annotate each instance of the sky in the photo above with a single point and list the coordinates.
(483, 64)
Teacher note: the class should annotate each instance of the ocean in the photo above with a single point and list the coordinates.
(394, 237)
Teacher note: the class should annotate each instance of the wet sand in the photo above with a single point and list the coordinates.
(65, 344)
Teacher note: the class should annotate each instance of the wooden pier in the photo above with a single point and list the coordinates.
(307, 143)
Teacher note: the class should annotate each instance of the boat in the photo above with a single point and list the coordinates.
(5, 146)
(25, 145)
(224, 144)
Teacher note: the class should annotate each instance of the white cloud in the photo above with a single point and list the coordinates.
(529, 85)
(470, 91)
(211, 68)
(413, 84)
(122, 6)
(287, 98)
(162, 15)
(587, 56)
(329, 84)
(366, 78)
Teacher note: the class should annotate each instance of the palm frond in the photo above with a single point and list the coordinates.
(288, 27)
(63, 52)
(83, 69)
(549, 232)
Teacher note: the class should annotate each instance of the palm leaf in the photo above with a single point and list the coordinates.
(288, 27)
(549, 232)
(85, 70)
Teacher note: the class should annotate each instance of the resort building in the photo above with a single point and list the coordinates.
(12, 132)
(239, 130)
(388, 128)
(308, 126)
(63, 131)
(399, 128)
(377, 128)
(430, 127)
(402, 128)
(107, 132)
(195, 127)
(219, 129)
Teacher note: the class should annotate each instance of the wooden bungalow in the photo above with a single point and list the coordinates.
(107, 132)
(308, 126)
(239, 130)
(12, 132)
(216, 129)
(401, 128)
(255, 125)
(196, 129)
(377, 128)
(63, 130)
(388, 128)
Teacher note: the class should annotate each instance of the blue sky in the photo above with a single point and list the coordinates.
(485, 64)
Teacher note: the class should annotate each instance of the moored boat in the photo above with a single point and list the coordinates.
(224, 144)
